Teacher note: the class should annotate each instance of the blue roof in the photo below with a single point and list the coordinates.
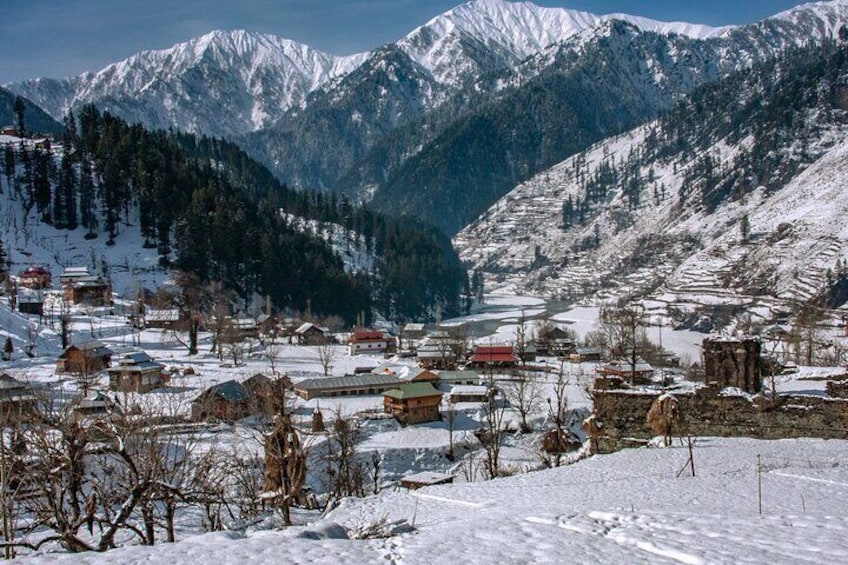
(230, 390)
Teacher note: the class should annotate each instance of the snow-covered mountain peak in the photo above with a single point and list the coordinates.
(828, 16)
(235, 81)
(496, 32)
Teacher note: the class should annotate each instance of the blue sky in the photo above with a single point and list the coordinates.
(58, 38)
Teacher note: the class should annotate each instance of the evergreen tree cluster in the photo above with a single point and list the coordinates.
(781, 106)
(417, 273)
(212, 211)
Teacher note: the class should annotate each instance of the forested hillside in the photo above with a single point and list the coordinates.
(210, 210)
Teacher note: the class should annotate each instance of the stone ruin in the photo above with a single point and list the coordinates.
(733, 362)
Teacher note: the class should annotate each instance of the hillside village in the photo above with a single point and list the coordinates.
(637, 354)
(373, 410)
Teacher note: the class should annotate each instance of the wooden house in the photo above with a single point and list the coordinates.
(17, 401)
(267, 394)
(311, 334)
(449, 379)
(228, 401)
(89, 289)
(368, 341)
(585, 355)
(624, 369)
(97, 405)
(411, 334)
(440, 351)
(136, 372)
(237, 330)
(85, 358)
(556, 343)
(493, 356)
(35, 277)
(163, 319)
(413, 403)
(72, 274)
(470, 393)
(30, 302)
(351, 385)
(407, 374)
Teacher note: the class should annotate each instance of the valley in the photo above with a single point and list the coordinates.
(523, 284)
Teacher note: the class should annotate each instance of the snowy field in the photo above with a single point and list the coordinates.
(628, 507)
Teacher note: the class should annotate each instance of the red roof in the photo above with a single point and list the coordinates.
(493, 350)
(498, 358)
(360, 336)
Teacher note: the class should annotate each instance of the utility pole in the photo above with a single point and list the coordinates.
(759, 483)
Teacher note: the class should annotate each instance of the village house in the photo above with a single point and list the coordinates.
(30, 302)
(493, 357)
(407, 374)
(368, 341)
(586, 355)
(17, 401)
(435, 355)
(470, 393)
(351, 385)
(528, 353)
(267, 394)
(266, 323)
(311, 334)
(163, 319)
(97, 405)
(555, 342)
(237, 330)
(624, 369)
(80, 287)
(449, 379)
(227, 402)
(11, 131)
(35, 277)
(413, 403)
(136, 372)
(410, 334)
(85, 358)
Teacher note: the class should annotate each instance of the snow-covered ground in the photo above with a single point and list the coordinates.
(628, 507)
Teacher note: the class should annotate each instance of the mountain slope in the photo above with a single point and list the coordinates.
(460, 149)
(720, 200)
(453, 115)
(35, 119)
(222, 83)
(603, 81)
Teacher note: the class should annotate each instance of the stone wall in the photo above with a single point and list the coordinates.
(709, 412)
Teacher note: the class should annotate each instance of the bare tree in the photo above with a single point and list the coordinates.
(524, 394)
(343, 470)
(273, 351)
(624, 325)
(326, 355)
(493, 435)
(558, 412)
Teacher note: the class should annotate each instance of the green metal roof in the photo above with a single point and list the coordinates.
(413, 390)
